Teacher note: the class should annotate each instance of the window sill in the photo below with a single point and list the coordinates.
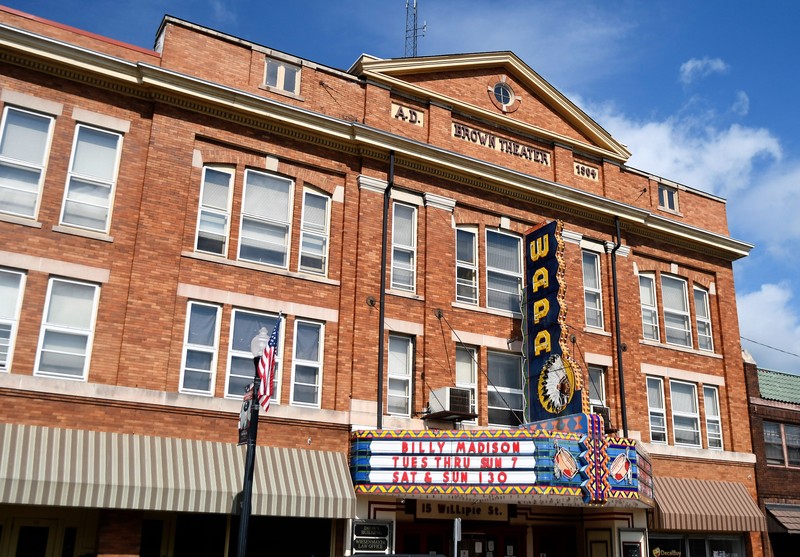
(490, 311)
(256, 267)
(670, 211)
(655, 344)
(404, 294)
(596, 331)
(13, 219)
(282, 92)
(103, 237)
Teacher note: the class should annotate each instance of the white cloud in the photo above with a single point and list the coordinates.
(701, 67)
(690, 149)
(741, 106)
(767, 318)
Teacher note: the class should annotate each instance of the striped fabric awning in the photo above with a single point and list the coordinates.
(707, 505)
(78, 468)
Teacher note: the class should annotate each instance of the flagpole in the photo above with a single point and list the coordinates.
(257, 346)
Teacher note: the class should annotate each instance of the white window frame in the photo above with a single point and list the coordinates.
(668, 197)
(39, 167)
(244, 353)
(95, 181)
(280, 75)
(209, 210)
(713, 421)
(313, 232)
(702, 312)
(467, 364)
(591, 293)
(400, 374)
(657, 412)
(693, 416)
(504, 273)
(597, 379)
(466, 268)
(11, 320)
(277, 223)
(212, 350)
(682, 314)
(410, 251)
(505, 393)
(649, 308)
(298, 362)
(48, 326)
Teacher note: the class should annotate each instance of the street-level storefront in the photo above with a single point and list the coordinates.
(77, 492)
(555, 488)
(702, 518)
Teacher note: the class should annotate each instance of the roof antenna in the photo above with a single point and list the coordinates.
(412, 31)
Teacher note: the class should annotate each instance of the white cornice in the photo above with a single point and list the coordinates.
(148, 81)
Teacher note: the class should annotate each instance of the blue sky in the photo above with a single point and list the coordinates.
(702, 92)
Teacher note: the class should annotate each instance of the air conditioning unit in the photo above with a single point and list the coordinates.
(451, 400)
(604, 413)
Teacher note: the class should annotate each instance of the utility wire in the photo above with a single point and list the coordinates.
(771, 347)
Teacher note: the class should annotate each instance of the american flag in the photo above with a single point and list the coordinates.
(266, 368)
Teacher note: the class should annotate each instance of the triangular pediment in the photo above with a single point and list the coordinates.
(465, 83)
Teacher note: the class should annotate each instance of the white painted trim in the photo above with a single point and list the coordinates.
(598, 359)
(54, 267)
(247, 301)
(440, 202)
(404, 327)
(23, 100)
(101, 120)
(477, 339)
(680, 374)
(372, 184)
(592, 245)
(571, 237)
(407, 197)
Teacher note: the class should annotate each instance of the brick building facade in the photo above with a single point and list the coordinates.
(161, 206)
(775, 426)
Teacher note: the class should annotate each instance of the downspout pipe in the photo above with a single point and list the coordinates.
(387, 194)
(620, 368)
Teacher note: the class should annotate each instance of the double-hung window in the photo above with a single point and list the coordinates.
(314, 233)
(65, 341)
(307, 363)
(245, 326)
(668, 197)
(677, 325)
(404, 247)
(505, 389)
(91, 179)
(503, 271)
(11, 287)
(773, 443)
(401, 373)
(282, 75)
(685, 416)
(467, 265)
(592, 293)
(467, 374)
(713, 418)
(705, 340)
(266, 214)
(782, 443)
(647, 296)
(213, 220)
(597, 385)
(655, 405)
(200, 348)
(24, 144)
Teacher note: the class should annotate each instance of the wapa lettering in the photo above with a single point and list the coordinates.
(486, 139)
(540, 248)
